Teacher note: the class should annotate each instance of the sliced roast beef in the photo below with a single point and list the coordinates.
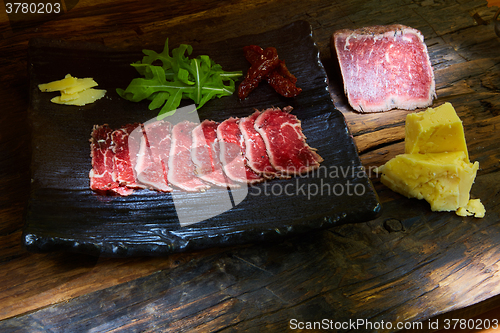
(191, 156)
(384, 67)
(152, 161)
(205, 154)
(101, 151)
(181, 170)
(232, 150)
(101, 174)
(285, 143)
(126, 141)
(255, 149)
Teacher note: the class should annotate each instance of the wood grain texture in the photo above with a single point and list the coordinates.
(408, 265)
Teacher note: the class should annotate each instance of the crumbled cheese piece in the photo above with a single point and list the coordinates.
(474, 207)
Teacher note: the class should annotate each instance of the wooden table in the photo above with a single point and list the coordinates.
(408, 265)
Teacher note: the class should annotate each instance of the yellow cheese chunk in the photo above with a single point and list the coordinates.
(436, 130)
(474, 207)
(58, 85)
(81, 85)
(85, 97)
(436, 165)
(442, 179)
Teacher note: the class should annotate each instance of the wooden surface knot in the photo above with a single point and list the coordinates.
(393, 225)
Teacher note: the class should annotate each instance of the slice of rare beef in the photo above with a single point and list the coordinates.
(101, 151)
(384, 67)
(205, 153)
(101, 174)
(152, 161)
(126, 141)
(285, 143)
(180, 165)
(255, 148)
(232, 150)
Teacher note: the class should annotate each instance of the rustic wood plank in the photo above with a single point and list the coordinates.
(430, 259)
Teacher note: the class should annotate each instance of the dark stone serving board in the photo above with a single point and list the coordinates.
(64, 214)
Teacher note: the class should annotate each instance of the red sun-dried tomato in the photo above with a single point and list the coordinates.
(265, 64)
(258, 70)
(283, 81)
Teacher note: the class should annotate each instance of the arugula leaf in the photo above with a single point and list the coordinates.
(167, 79)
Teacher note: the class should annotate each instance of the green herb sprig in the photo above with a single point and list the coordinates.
(199, 79)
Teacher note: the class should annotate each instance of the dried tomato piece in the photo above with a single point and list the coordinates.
(283, 71)
(253, 53)
(283, 81)
(258, 70)
(276, 73)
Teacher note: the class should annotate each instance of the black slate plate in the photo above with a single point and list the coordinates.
(64, 214)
